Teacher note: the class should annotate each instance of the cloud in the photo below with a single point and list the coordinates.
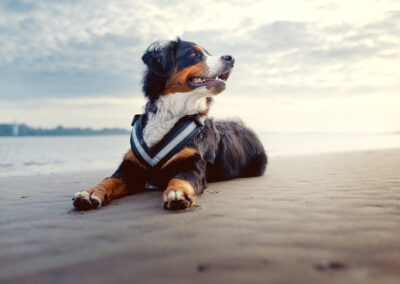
(71, 49)
(66, 83)
(48, 53)
(302, 57)
(284, 35)
(287, 52)
(18, 6)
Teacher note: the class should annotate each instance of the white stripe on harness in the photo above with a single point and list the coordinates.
(178, 137)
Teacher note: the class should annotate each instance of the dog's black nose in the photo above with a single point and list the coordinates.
(229, 59)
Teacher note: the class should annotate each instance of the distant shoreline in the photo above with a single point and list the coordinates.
(23, 130)
(63, 135)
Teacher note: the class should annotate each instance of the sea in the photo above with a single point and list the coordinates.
(43, 155)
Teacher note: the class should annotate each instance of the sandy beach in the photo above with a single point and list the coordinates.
(329, 218)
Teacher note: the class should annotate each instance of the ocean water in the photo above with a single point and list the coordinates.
(45, 155)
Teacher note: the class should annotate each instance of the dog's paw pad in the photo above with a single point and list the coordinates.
(176, 199)
(83, 200)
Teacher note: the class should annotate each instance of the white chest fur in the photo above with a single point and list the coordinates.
(170, 109)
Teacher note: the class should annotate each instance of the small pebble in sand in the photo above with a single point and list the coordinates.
(330, 265)
(202, 267)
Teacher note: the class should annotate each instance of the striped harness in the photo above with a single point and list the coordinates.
(174, 141)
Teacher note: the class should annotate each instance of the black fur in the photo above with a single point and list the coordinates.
(134, 175)
(153, 85)
(225, 149)
(239, 153)
(160, 58)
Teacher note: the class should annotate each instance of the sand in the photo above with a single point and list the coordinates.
(332, 218)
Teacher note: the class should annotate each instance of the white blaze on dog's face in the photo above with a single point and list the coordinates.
(198, 71)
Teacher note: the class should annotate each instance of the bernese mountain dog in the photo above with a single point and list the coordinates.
(180, 80)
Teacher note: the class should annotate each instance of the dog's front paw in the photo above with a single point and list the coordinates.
(88, 199)
(177, 199)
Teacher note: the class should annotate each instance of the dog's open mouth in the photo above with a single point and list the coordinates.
(199, 81)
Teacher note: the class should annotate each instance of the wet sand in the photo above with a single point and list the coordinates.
(332, 218)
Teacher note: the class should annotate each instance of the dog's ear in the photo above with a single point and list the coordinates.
(160, 57)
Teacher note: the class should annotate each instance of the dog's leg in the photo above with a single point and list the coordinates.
(187, 182)
(128, 180)
(179, 194)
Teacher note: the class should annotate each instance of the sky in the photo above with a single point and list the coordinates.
(301, 66)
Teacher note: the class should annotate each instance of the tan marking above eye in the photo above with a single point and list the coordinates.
(198, 48)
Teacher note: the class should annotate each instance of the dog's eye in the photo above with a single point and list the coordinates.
(194, 54)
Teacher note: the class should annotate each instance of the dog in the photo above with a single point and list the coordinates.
(180, 81)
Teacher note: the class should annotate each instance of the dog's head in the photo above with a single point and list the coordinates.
(184, 67)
